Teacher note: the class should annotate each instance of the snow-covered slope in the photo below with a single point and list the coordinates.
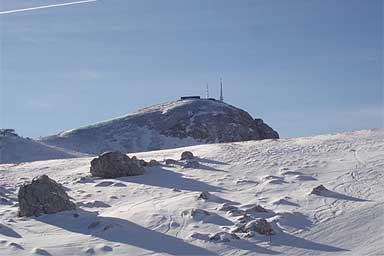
(150, 214)
(15, 149)
(169, 125)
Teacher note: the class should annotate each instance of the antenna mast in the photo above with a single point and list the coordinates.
(221, 90)
(207, 91)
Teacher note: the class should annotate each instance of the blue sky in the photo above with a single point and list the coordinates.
(305, 66)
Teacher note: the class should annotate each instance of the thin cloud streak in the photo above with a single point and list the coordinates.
(46, 6)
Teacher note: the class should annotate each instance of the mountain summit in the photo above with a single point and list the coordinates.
(174, 124)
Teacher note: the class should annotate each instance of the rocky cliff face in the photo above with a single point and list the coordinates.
(174, 124)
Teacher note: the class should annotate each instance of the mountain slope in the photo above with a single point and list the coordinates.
(151, 214)
(15, 149)
(164, 126)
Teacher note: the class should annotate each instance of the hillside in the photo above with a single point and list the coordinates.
(152, 214)
(15, 149)
(164, 126)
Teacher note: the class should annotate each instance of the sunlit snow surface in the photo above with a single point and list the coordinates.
(148, 214)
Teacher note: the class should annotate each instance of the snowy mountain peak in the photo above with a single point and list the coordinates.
(168, 125)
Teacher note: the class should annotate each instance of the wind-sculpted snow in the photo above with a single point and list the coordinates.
(17, 149)
(164, 126)
(227, 205)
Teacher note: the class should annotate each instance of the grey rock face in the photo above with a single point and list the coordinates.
(187, 155)
(43, 196)
(115, 164)
(190, 122)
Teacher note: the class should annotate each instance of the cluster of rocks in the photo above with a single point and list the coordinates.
(187, 161)
(247, 222)
(45, 196)
(258, 225)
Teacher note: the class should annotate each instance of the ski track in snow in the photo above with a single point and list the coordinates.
(271, 173)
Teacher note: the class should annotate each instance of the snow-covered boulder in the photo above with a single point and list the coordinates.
(223, 237)
(115, 164)
(43, 196)
(169, 125)
(260, 225)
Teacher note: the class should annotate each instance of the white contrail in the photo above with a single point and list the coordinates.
(46, 6)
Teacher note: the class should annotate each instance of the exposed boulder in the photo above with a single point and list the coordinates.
(205, 195)
(187, 155)
(115, 164)
(255, 209)
(153, 162)
(259, 225)
(223, 237)
(319, 190)
(191, 164)
(43, 196)
(228, 207)
(170, 161)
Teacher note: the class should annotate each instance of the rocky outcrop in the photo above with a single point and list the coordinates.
(43, 196)
(170, 125)
(259, 225)
(115, 164)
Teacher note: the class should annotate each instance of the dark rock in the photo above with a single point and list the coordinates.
(143, 163)
(318, 190)
(191, 164)
(170, 161)
(204, 195)
(43, 196)
(187, 155)
(115, 164)
(153, 163)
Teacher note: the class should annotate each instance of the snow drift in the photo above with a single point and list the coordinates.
(172, 210)
(16, 149)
